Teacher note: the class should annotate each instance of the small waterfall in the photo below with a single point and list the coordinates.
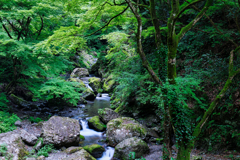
(86, 131)
(85, 81)
(91, 136)
(108, 154)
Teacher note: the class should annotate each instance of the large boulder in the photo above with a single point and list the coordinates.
(123, 149)
(28, 138)
(95, 150)
(80, 155)
(15, 148)
(25, 104)
(79, 73)
(107, 115)
(96, 124)
(123, 128)
(61, 131)
(95, 83)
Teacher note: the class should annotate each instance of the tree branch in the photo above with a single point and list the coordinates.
(139, 45)
(195, 20)
(5, 28)
(215, 26)
(186, 7)
(39, 32)
(107, 22)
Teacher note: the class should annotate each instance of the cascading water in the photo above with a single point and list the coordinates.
(89, 110)
(92, 136)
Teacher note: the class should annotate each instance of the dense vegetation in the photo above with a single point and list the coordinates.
(181, 57)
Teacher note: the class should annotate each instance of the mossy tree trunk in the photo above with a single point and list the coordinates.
(186, 147)
(172, 42)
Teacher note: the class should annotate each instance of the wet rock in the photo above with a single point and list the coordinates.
(123, 149)
(18, 123)
(15, 147)
(61, 131)
(95, 150)
(71, 150)
(95, 84)
(123, 128)
(80, 155)
(95, 123)
(107, 115)
(108, 84)
(79, 73)
(88, 94)
(28, 138)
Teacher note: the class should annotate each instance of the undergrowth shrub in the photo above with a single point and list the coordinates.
(7, 121)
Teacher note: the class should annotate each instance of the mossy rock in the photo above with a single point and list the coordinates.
(80, 155)
(107, 115)
(108, 84)
(123, 149)
(96, 124)
(71, 150)
(123, 128)
(79, 73)
(95, 83)
(95, 150)
(82, 137)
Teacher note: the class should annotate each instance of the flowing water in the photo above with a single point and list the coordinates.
(92, 136)
(86, 111)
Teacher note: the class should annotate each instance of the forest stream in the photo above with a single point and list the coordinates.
(86, 111)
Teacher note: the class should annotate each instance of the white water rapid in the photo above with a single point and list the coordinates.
(92, 136)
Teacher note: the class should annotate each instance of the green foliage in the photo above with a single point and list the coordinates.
(132, 156)
(4, 153)
(58, 88)
(4, 106)
(45, 150)
(35, 120)
(7, 121)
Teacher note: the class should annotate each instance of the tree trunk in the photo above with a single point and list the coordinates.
(184, 151)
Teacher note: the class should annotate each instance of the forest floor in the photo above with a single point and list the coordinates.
(156, 152)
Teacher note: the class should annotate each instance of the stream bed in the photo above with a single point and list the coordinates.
(83, 113)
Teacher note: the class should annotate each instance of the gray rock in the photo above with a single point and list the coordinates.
(80, 155)
(31, 159)
(107, 115)
(18, 123)
(28, 138)
(38, 146)
(61, 131)
(79, 73)
(15, 147)
(41, 158)
(123, 149)
(124, 128)
(71, 150)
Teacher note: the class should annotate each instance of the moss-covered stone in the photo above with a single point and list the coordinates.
(95, 83)
(82, 137)
(96, 124)
(123, 149)
(80, 155)
(123, 128)
(95, 150)
(108, 84)
(71, 150)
